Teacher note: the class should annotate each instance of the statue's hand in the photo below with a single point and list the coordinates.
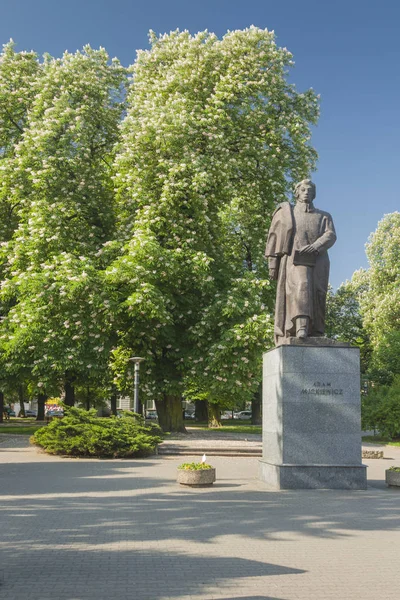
(309, 249)
(273, 273)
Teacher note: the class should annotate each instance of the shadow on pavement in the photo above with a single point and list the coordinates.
(151, 575)
(153, 507)
(125, 524)
(252, 598)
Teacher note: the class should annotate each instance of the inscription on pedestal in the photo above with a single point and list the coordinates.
(322, 389)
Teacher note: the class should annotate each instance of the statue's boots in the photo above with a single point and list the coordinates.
(302, 327)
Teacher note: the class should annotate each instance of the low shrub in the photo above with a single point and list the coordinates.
(82, 433)
(194, 466)
(396, 469)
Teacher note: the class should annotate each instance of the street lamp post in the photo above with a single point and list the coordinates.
(136, 360)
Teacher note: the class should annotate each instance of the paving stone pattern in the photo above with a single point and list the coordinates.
(88, 529)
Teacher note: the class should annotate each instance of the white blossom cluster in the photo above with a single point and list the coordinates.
(134, 223)
(58, 314)
(213, 137)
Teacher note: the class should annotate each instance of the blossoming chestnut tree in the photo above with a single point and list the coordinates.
(213, 138)
(18, 73)
(58, 316)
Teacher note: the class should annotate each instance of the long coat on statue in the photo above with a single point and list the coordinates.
(301, 289)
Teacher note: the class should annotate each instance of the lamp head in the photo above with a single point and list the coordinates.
(136, 359)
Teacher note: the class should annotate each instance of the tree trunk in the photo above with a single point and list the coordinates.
(214, 415)
(201, 411)
(69, 390)
(21, 401)
(40, 407)
(169, 411)
(142, 410)
(88, 398)
(113, 401)
(1, 407)
(256, 407)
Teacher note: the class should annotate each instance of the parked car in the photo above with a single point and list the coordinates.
(152, 414)
(189, 415)
(227, 414)
(30, 413)
(243, 415)
(50, 414)
(9, 412)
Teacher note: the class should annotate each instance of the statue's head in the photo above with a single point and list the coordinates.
(305, 191)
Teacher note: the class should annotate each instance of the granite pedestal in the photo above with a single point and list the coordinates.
(312, 418)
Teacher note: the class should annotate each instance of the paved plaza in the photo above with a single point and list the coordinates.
(123, 529)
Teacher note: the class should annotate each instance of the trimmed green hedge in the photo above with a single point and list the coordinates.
(82, 433)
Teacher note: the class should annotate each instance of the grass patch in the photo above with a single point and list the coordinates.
(376, 439)
(22, 421)
(16, 430)
(231, 427)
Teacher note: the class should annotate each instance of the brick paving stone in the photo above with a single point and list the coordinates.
(91, 529)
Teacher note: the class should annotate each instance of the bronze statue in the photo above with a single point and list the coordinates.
(297, 245)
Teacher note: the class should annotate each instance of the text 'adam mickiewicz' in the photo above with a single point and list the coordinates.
(322, 391)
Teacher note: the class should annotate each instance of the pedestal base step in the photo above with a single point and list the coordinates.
(313, 341)
(294, 477)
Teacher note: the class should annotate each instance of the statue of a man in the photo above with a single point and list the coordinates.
(297, 245)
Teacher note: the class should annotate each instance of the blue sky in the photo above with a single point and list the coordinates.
(348, 51)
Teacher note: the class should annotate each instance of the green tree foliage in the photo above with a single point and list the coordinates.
(81, 433)
(58, 315)
(214, 136)
(19, 71)
(19, 74)
(380, 298)
(381, 409)
(344, 320)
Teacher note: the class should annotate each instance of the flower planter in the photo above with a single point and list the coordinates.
(196, 478)
(372, 454)
(392, 478)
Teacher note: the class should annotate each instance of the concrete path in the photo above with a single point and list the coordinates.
(89, 529)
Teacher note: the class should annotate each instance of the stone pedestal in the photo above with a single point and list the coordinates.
(311, 418)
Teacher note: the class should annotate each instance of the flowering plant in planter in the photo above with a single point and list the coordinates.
(193, 466)
(196, 474)
(393, 476)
